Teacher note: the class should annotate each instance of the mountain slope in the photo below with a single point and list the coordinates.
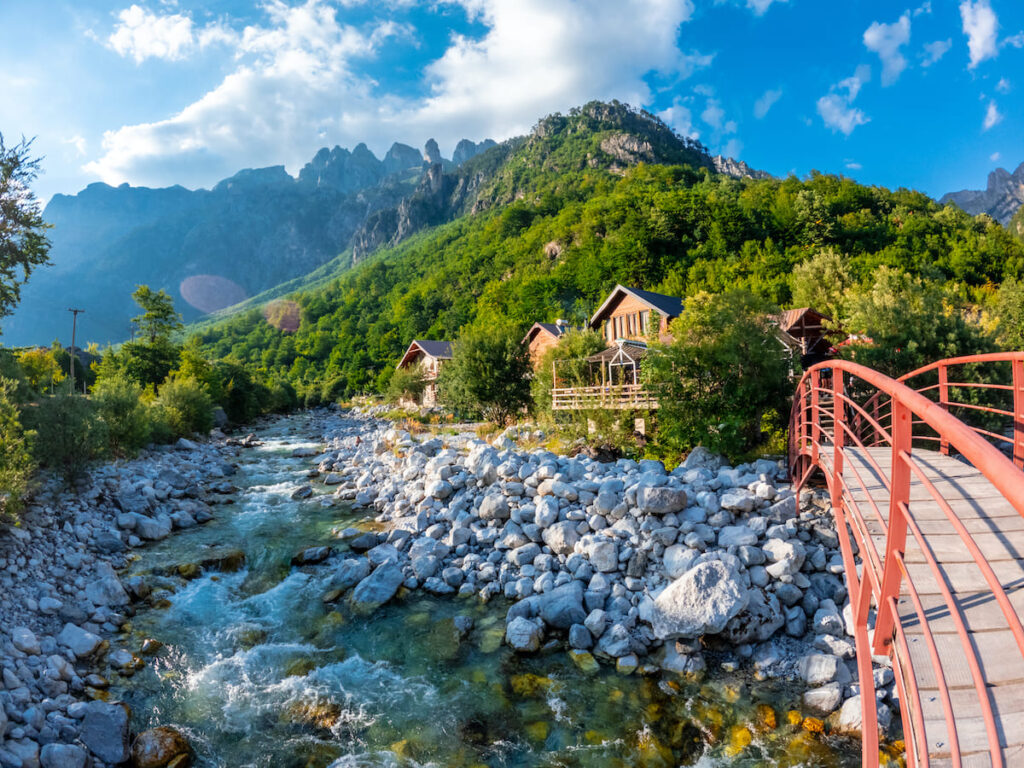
(207, 248)
(546, 244)
(1001, 198)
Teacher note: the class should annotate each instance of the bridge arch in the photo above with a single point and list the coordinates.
(927, 491)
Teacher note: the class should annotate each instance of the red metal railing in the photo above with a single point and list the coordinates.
(841, 409)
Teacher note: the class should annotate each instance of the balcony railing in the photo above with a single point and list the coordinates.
(619, 397)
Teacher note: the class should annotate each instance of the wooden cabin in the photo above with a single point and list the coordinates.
(543, 336)
(633, 314)
(430, 356)
(803, 331)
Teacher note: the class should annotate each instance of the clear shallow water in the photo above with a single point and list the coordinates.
(259, 671)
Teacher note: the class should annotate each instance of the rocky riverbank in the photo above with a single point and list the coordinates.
(62, 604)
(621, 563)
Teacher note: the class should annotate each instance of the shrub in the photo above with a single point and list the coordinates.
(129, 422)
(16, 462)
(186, 406)
(406, 384)
(725, 369)
(68, 434)
(569, 355)
(487, 374)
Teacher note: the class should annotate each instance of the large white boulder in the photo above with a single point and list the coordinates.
(700, 602)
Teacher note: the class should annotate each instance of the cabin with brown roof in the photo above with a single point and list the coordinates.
(543, 336)
(803, 331)
(633, 314)
(430, 356)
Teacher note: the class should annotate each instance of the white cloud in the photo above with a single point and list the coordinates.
(925, 7)
(680, 119)
(981, 26)
(886, 40)
(994, 157)
(765, 102)
(78, 142)
(935, 51)
(759, 7)
(733, 148)
(294, 85)
(992, 116)
(713, 114)
(836, 108)
(853, 165)
(1003, 86)
(1017, 41)
(141, 35)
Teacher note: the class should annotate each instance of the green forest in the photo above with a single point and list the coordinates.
(575, 233)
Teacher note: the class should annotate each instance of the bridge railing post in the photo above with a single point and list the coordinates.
(896, 541)
(944, 402)
(815, 416)
(1018, 413)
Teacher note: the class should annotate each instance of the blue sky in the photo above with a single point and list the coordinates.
(925, 95)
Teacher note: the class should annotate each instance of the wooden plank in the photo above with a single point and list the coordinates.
(999, 659)
(980, 610)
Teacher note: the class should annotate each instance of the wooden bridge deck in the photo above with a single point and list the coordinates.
(998, 530)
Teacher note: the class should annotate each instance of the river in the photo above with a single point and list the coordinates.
(257, 670)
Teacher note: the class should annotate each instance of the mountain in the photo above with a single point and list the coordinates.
(263, 232)
(207, 248)
(1003, 196)
(543, 226)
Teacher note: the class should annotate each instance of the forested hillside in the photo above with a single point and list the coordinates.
(577, 230)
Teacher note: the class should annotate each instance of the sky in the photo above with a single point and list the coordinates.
(925, 95)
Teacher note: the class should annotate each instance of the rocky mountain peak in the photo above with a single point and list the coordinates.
(431, 152)
(1001, 198)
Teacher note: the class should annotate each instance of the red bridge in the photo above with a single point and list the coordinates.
(927, 488)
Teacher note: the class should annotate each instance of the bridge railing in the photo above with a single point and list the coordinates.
(841, 408)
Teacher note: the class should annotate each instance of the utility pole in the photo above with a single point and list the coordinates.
(74, 355)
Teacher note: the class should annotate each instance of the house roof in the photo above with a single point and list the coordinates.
(553, 328)
(803, 315)
(670, 306)
(442, 350)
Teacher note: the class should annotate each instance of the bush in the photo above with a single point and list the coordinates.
(68, 434)
(16, 464)
(186, 406)
(406, 384)
(725, 369)
(129, 422)
(487, 374)
(569, 355)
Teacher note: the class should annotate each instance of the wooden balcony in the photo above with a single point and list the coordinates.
(618, 397)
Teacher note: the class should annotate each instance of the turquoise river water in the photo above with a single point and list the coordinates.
(258, 670)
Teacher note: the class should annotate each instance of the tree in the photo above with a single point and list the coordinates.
(1010, 314)
(406, 384)
(906, 323)
(487, 373)
(821, 282)
(724, 370)
(569, 356)
(41, 368)
(23, 242)
(16, 464)
(159, 320)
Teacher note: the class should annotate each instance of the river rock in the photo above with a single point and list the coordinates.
(736, 536)
(562, 606)
(160, 747)
(302, 492)
(787, 556)
(153, 528)
(105, 589)
(25, 752)
(677, 559)
(25, 640)
(63, 756)
(105, 730)
(701, 601)
(824, 700)
(561, 537)
(81, 642)
(661, 500)
(819, 668)
(377, 588)
(523, 634)
(312, 555)
(494, 507)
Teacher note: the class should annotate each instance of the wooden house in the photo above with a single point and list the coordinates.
(803, 331)
(627, 319)
(430, 356)
(630, 313)
(543, 336)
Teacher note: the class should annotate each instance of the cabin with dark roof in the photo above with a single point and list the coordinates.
(543, 336)
(634, 314)
(430, 356)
